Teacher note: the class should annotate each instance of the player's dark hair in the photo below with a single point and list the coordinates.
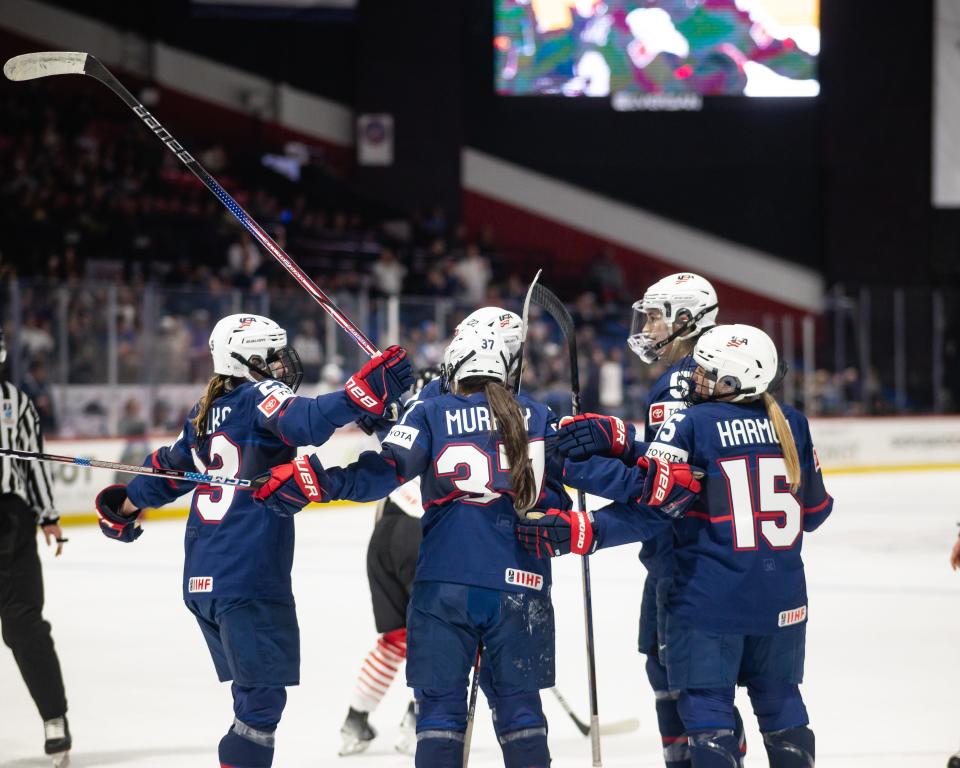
(216, 387)
(512, 426)
(787, 443)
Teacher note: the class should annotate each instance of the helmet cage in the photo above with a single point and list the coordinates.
(282, 364)
(650, 349)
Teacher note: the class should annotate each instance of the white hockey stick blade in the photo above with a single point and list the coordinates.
(619, 726)
(29, 66)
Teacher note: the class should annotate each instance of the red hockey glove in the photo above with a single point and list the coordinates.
(288, 488)
(593, 434)
(381, 381)
(671, 488)
(556, 532)
(113, 524)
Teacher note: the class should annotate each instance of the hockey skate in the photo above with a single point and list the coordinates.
(356, 733)
(57, 741)
(406, 742)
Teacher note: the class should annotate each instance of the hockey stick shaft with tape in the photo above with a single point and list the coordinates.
(130, 469)
(30, 66)
(546, 299)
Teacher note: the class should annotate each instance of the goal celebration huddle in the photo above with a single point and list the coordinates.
(719, 487)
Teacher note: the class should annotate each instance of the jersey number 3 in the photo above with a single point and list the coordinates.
(213, 502)
(765, 496)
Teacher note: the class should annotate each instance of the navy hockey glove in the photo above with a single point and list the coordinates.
(288, 488)
(379, 425)
(593, 434)
(671, 488)
(113, 524)
(556, 532)
(381, 381)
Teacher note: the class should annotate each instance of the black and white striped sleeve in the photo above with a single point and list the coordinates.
(39, 483)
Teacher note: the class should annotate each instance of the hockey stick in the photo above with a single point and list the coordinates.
(545, 298)
(524, 322)
(30, 66)
(472, 708)
(607, 729)
(131, 469)
(475, 683)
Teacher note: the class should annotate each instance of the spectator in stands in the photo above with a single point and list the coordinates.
(606, 277)
(131, 422)
(36, 386)
(310, 350)
(473, 272)
(388, 274)
(610, 377)
(35, 337)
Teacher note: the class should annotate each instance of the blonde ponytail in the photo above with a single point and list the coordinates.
(513, 429)
(216, 387)
(787, 444)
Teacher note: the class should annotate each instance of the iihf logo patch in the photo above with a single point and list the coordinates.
(200, 584)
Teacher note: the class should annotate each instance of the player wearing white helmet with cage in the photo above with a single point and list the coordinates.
(236, 576)
(483, 458)
(673, 313)
(736, 611)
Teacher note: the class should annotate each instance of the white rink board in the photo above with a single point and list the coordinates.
(882, 669)
(842, 444)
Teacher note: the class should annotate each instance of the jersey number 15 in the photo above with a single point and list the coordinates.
(761, 499)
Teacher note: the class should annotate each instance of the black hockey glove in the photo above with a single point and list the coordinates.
(113, 524)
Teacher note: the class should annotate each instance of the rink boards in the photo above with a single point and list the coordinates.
(844, 445)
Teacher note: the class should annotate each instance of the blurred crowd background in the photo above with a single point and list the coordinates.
(115, 263)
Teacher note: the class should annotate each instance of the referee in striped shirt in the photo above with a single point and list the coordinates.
(26, 501)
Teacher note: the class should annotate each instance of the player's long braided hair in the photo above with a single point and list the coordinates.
(218, 386)
(512, 426)
(787, 443)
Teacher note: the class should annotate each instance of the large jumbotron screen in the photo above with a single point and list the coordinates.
(656, 51)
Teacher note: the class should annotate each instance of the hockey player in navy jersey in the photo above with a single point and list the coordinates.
(238, 556)
(736, 611)
(673, 313)
(483, 458)
(392, 556)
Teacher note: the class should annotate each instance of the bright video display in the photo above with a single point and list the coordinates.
(656, 51)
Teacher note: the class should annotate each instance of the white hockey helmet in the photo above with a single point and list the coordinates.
(733, 363)
(678, 307)
(508, 323)
(254, 347)
(476, 351)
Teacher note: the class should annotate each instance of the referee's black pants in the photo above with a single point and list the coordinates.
(21, 603)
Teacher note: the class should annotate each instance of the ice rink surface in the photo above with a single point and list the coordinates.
(883, 667)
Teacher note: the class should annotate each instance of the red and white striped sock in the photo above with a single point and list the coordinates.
(379, 668)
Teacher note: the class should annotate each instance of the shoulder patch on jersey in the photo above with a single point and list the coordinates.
(271, 404)
(670, 453)
(403, 436)
(526, 579)
(791, 617)
(660, 412)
